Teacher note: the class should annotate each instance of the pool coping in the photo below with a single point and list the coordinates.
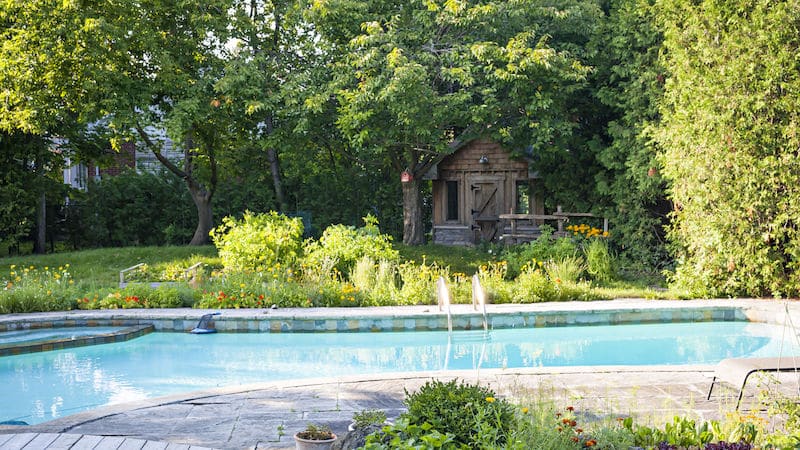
(422, 318)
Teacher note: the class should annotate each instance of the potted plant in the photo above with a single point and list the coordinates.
(314, 437)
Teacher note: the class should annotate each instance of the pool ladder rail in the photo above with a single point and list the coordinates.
(457, 341)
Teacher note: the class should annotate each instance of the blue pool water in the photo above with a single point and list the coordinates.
(42, 386)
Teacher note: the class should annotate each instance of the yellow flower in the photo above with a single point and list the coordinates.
(524, 410)
(13, 266)
(490, 399)
(71, 282)
(48, 292)
(241, 285)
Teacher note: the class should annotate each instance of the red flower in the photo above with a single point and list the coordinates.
(574, 439)
(570, 408)
(590, 443)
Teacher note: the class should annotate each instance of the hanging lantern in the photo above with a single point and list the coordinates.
(406, 177)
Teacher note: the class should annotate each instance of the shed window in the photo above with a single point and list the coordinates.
(523, 205)
(452, 200)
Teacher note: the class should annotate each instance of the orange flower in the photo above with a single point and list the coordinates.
(590, 443)
(570, 408)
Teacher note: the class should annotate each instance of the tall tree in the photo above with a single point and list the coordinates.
(422, 76)
(141, 66)
(272, 57)
(629, 81)
(731, 139)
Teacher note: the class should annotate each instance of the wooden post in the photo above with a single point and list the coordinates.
(560, 221)
(605, 224)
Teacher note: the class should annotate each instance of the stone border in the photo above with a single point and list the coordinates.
(421, 318)
(60, 344)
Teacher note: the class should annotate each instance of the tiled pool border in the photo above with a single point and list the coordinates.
(412, 318)
(125, 334)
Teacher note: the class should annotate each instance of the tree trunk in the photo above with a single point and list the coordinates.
(413, 231)
(40, 243)
(275, 170)
(205, 215)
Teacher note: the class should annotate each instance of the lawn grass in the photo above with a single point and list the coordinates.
(99, 268)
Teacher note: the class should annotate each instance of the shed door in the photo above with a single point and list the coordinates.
(486, 201)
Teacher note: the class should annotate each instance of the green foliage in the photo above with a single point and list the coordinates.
(367, 417)
(730, 139)
(258, 241)
(419, 282)
(138, 295)
(378, 281)
(471, 413)
(544, 426)
(262, 289)
(405, 435)
(32, 289)
(629, 80)
(682, 432)
(347, 244)
(543, 249)
(567, 269)
(599, 261)
(132, 208)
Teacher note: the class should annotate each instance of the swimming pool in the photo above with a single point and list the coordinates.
(43, 386)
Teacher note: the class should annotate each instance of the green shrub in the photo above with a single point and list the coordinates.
(544, 248)
(258, 242)
(471, 413)
(404, 435)
(599, 262)
(566, 269)
(378, 281)
(133, 208)
(346, 245)
(532, 286)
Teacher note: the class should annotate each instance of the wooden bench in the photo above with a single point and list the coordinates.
(735, 371)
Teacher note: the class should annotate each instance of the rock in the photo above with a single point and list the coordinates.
(356, 438)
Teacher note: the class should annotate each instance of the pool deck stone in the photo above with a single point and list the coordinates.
(266, 415)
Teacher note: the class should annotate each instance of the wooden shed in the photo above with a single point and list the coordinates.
(473, 186)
